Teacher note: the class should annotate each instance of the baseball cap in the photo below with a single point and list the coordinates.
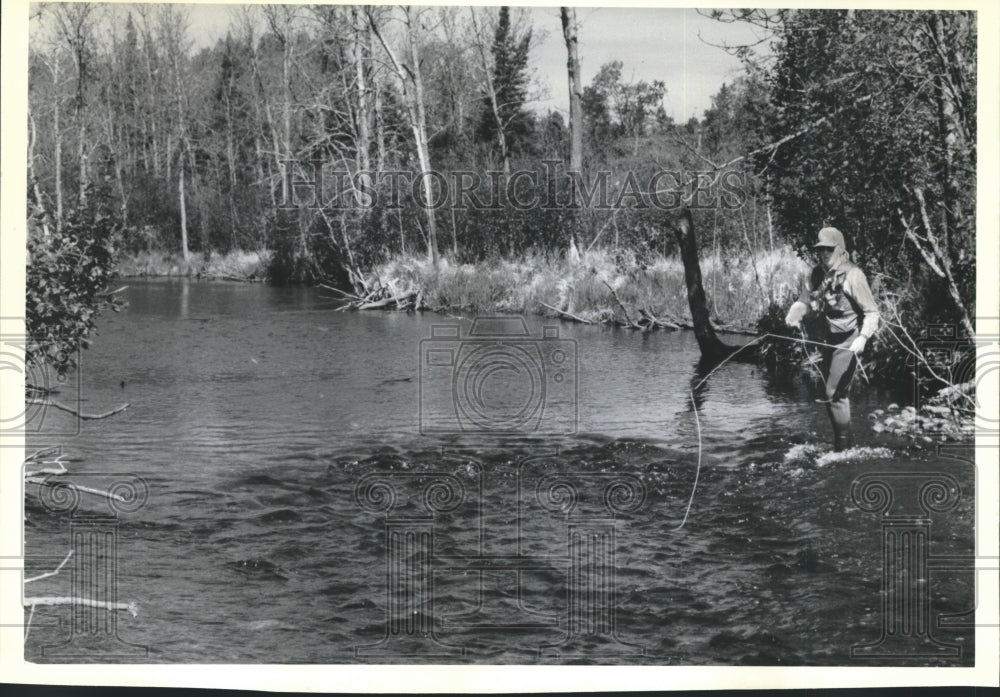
(830, 237)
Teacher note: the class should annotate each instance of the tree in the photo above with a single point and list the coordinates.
(67, 281)
(616, 108)
(75, 24)
(504, 118)
(410, 79)
(569, 27)
(173, 33)
(894, 159)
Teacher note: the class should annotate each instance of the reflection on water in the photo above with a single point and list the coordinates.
(256, 411)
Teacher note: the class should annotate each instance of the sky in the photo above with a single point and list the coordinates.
(668, 44)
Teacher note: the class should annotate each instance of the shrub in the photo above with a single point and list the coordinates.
(68, 275)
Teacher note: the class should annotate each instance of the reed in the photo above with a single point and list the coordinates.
(585, 284)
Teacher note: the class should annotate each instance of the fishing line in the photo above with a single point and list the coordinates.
(694, 404)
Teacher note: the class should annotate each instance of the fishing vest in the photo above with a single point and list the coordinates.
(828, 298)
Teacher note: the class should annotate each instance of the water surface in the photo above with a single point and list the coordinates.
(261, 418)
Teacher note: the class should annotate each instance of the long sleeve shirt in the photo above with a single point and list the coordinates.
(843, 297)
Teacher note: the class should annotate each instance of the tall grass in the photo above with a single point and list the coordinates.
(235, 265)
(585, 285)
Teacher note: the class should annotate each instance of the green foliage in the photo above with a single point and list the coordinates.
(615, 109)
(510, 82)
(883, 133)
(68, 275)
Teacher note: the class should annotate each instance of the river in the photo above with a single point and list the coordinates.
(315, 496)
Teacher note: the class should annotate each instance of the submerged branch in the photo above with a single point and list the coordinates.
(77, 413)
(131, 607)
(55, 571)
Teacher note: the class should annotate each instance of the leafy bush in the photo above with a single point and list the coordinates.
(68, 275)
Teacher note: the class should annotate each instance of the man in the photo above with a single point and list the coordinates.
(838, 299)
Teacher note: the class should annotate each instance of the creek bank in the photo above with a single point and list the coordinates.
(237, 265)
(590, 287)
(947, 416)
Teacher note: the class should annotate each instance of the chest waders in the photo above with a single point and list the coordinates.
(838, 328)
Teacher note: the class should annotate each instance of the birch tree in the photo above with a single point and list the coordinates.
(408, 74)
(569, 27)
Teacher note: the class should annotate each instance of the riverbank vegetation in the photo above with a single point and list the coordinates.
(594, 287)
(864, 120)
(234, 265)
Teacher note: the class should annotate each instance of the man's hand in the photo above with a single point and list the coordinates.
(795, 314)
(858, 345)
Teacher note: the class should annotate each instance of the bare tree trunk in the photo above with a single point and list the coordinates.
(75, 24)
(712, 349)
(116, 156)
(491, 93)
(413, 90)
(169, 156)
(183, 207)
(568, 15)
(57, 136)
(272, 129)
(379, 129)
(35, 189)
(364, 105)
(82, 153)
(151, 91)
(420, 131)
(948, 128)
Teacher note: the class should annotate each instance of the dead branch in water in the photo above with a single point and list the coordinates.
(79, 414)
(43, 452)
(32, 602)
(132, 608)
(54, 572)
(563, 313)
(618, 300)
(43, 481)
(651, 320)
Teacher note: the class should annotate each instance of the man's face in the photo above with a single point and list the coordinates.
(825, 255)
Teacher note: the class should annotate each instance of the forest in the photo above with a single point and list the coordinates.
(148, 157)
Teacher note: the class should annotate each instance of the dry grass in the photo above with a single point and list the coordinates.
(233, 265)
(580, 285)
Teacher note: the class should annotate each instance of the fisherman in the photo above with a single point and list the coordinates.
(840, 311)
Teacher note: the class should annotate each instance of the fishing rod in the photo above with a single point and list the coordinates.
(697, 421)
